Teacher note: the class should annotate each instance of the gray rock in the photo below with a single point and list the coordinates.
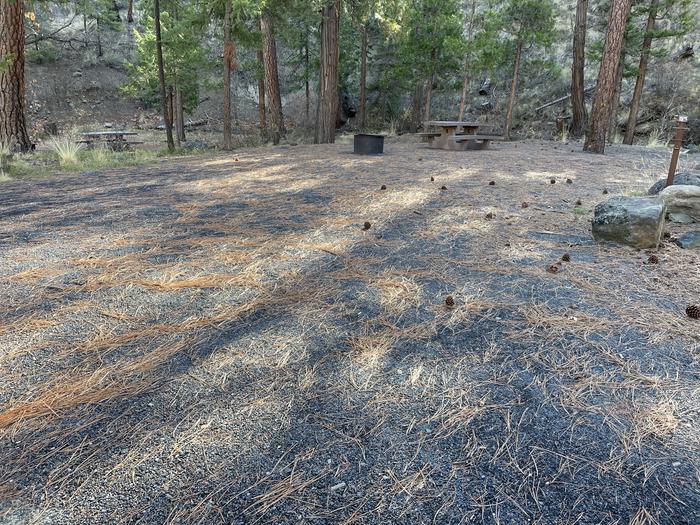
(682, 203)
(680, 218)
(689, 240)
(634, 221)
(686, 178)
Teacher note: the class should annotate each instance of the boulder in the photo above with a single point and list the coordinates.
(685, 178)
(688, 240)
(682, 203)
(634, 221)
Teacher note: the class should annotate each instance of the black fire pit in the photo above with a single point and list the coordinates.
(366, 144)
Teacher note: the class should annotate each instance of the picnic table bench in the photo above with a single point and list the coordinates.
(456, 135)
(116, 140)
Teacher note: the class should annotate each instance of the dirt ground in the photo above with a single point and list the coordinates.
(219, 340)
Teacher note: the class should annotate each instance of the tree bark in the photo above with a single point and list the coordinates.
(130, 12)
(328, 88)
(307, 83)
(363, 78)
(262, 111)
(467, 65)
(414, 122)
(641, 76)
(607, 75)
(615, 104)
(578, 101)
(272, 77)
(13, 126)
(513, 89)
(180, 116)
(172, 112)
(161, 77)
(229, 57)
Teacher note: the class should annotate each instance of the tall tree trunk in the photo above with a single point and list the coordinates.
(614, 106)
(307, 86)
(180, 115)
(161, 77)
(328, 89)
(13, 126)
(229, 57)
(130, 12)
(272, 77)
(416, 114)
(363, 78)
(607, 75)
(643, 63)
(172, 113)
(578, 101)
(513, 90)
(262, 111)
(467, 65)
(99, 38)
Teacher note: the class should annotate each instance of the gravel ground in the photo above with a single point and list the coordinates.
(221, 340)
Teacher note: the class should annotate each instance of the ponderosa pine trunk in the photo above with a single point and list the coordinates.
(513, 90)
(262, 110)
(13, 126)
(641, 75)
(130, 12)
(467, 65)
(578, 101)
(428, 101)
(180, 116)
(171, 114)
(307, 82)
(229, 57)
(272, 77)
(363, 78)
(615, 105)
(416, 113)
(328, 88)
(607, 76)
(161, 77)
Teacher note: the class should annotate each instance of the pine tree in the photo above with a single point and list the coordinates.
(13, 127)
(607, 77)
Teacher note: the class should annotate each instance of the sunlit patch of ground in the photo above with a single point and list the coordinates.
(221, 340)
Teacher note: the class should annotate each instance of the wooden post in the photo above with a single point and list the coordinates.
(677, 142)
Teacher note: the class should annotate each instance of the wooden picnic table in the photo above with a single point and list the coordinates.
(456, 135)
(116, 139)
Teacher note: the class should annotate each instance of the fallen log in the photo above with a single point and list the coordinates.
(189, 124)
(589, 89)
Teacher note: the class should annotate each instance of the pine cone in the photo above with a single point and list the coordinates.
(553, 268)
(605, 191)
(524, 205)
(566, 257)
(578, 202)
(449, 301)
(383, 187)
(432, 179)
(552, 181)
(569, 181)
(693, 311)
(489, 216)
(492, 183)
(653, 259)
(367, 225)
(444, 188)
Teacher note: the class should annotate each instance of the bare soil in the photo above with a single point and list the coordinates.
(220, 340)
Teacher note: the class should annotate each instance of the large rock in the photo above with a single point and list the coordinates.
(689, 240)
(682, 203)
(634, 221)
(685, 178)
